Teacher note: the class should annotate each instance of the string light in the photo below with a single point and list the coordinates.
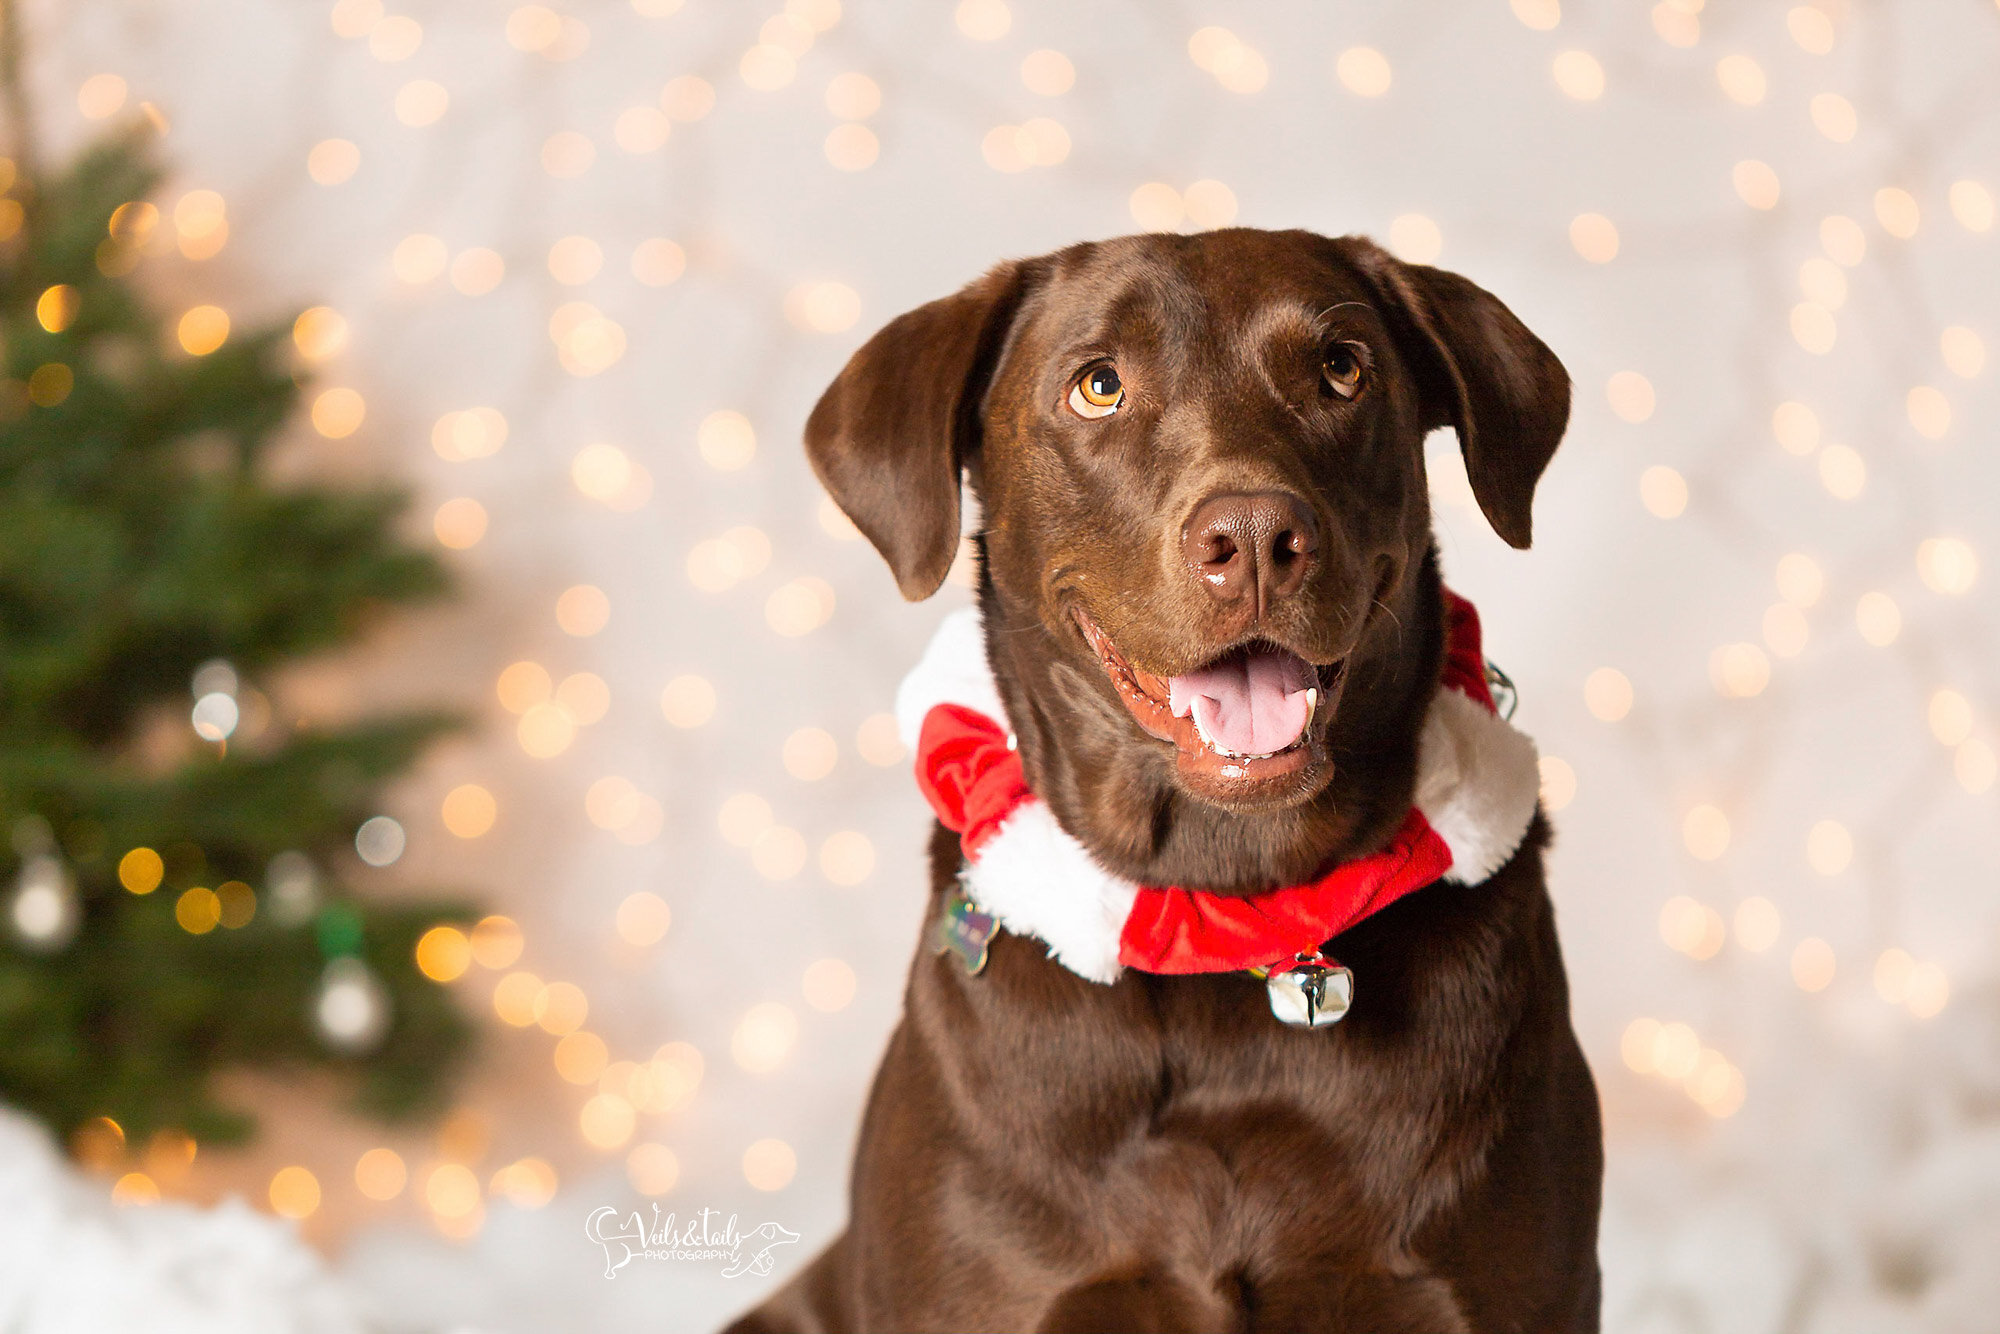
(380, 1174)
(1364, 71)
(294, 1192)
(769, 1164)
(1415, 238)
(1607, 693)
(643, 919)
(764, 1037)
(828, 985)
(1047, 73)
(1558, 783)
(1236, 65)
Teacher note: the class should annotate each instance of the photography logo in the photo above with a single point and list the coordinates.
(701, 1238)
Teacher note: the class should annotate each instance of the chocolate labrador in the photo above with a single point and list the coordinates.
(1217, 638)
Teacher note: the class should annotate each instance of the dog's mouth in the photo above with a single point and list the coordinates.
(1243, 726)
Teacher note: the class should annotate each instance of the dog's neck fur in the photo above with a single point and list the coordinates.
(1115, 792)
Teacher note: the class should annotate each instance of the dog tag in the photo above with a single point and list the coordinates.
(1310, 992)
(963, 930)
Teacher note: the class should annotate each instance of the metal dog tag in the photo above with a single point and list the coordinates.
(963, 930)
(1310, 992)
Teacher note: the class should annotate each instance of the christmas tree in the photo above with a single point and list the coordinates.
(177, 842)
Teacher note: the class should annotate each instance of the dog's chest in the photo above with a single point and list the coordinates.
(1182, 1107)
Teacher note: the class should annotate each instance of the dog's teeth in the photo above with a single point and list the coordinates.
(1312, 701)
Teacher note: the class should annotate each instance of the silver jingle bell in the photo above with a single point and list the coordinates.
(1312, 991)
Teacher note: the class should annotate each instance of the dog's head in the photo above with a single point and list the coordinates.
(1200, 468)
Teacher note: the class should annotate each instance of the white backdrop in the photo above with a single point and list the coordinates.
(1707, 212)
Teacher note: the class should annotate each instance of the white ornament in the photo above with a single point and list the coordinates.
(380, 840)
(352, 1011)
(44, 911)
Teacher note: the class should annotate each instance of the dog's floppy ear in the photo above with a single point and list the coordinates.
(892, 433)
(1481, 372)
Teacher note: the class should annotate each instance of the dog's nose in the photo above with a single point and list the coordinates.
(1257, 546)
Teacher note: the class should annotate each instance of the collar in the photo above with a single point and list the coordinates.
(1476, 793)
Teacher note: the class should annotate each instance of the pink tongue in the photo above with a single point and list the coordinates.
(1252, 704)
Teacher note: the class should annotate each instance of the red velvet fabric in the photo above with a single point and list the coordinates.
(967, 773)
(973, 782)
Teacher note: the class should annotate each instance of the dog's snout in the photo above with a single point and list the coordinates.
(1259, 546)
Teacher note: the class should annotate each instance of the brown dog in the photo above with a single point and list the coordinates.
(1187, 448)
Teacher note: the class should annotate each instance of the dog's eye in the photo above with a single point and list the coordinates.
(1097, 392)
(1343, 370)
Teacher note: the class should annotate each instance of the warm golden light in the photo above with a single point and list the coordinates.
(575, 260)
(1579, 75)
(1415, 238)
(202, 330)
(1663, 491)
(799, 606)
(1364, 71)
(607, 1121)
(469, 810)
(496, 942)
(380, 1174)
(1896, 209)
(1047, 73)
(1739, 671)
(198, 911)
(643, 919)
(581, 1056)
(852, 147)
(828, 985)
(1812, 964)
(1829, 847)
(1692, 928)
(451, 1190)
(337, 413)
(687, 701)
(1757, 924)
(517, 999)
(1595, 237)
(141, 870)
(1842, 471)
(583, 610)
(333, 161)
(1607, 693)
(319, 332)
(726, 440)
(1705, 831)
(769, 1164)
(563, 1008)
(652, 1169)
(1742, 79)
(1947, 565)
(764, 1037)
(56, 309)
(878, 742)
(443, 953)
(294, 1192)
(846, 858)
(743, 817)
(823, 307)
(1756, 184)
(1878, 619)
(779, 853)
(421, 102)
(459, 523)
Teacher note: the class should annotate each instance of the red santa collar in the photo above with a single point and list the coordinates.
(1477, 786)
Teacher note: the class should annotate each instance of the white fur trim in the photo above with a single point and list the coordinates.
(953, 670)
(1477, 784)
(1037, 880)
